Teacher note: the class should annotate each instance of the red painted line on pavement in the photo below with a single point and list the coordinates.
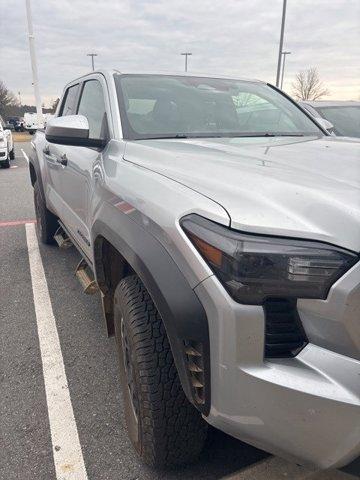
(15, 223)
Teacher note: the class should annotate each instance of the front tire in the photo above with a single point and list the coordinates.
(5, 163)
(46, 221)
(164, 427)
(12, 154)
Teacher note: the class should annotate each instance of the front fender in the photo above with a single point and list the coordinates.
(181, 311)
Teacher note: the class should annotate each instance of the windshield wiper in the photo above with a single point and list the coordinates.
(222, 135)
(271, 134)
(164, 137)
(289, 135)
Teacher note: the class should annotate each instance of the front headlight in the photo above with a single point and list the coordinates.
(253, 268)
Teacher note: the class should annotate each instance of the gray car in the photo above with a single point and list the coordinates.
(221, 224)
(343, 115)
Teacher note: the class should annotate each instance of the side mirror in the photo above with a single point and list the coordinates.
(71, 130)
(325, 124)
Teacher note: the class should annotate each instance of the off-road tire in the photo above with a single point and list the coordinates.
(12, 154)
(46, 221)
(169, 430)
(5, 164)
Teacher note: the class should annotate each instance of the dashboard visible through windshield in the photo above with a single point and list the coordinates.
(163, 106)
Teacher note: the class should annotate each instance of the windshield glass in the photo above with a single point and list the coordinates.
(161, 106)
(346, 120)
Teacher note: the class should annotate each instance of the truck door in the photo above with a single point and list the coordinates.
(51, 153)
(77, 173)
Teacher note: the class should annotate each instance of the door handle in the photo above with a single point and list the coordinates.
(63, 160)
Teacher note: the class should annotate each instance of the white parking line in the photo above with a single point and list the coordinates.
(25, 156)
(67, 454)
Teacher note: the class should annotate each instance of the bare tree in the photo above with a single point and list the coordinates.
(7, 100)
(308, 86)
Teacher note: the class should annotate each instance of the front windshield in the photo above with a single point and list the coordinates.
(346, 120)
(162, 106)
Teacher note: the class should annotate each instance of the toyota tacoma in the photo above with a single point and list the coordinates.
(220, 223)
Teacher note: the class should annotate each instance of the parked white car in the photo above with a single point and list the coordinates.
(31, 123)
(6, 145)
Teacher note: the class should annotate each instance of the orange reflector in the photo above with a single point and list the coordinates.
(212, 254)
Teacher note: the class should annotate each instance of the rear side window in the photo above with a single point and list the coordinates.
(92, 106)
(68, 106)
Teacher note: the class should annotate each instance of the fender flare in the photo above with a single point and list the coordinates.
(183, 315)
(34, 163)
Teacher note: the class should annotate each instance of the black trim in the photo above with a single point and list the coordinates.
(182, 313)
(34, 162)
(285, 336)
(353, 468)
(77, 141)
(64, 97)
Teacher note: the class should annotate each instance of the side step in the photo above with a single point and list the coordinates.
(62, 239)
(84, 275)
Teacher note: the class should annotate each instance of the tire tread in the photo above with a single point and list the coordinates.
(172, 430)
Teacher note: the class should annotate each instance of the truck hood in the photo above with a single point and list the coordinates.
(290, 186)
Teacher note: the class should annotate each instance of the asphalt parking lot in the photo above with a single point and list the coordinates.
(90, 362)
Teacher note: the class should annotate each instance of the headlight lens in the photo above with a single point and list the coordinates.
(253, 268)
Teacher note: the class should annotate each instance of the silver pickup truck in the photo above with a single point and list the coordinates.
(221, 224)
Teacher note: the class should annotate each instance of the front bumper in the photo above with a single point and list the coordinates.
(305, 408)
(3, 154)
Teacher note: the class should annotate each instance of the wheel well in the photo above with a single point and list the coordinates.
(181, 311)
(110, 268)
(32, 174)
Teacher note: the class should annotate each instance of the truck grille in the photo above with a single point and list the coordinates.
(284, 333)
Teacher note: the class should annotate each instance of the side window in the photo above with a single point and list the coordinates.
(68, 106)
(92, 106)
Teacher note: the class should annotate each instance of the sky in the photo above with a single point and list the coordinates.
(228, 37)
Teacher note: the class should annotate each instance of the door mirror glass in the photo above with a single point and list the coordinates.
(71, 130)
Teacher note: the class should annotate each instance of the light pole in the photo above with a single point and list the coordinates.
(186, 54)
(92, 55)
(19, 98)
(283, 67)
(281, 43)
(33, 64)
